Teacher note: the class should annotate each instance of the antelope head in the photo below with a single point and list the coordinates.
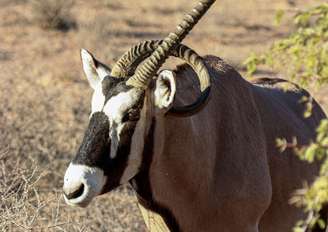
(125, 99)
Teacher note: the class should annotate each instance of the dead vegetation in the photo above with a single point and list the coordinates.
(27, 206)
(53, 14)
(20, 203)
(45, 100)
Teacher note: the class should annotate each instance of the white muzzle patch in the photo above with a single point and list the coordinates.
(92, 179)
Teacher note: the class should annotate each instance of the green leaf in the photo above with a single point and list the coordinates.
(310, 152)
(278, 17)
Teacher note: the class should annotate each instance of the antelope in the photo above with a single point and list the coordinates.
(212, 165)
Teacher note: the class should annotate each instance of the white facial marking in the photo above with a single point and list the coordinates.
(116, 107)
(137, 144)
(98, 100)
(92, 178)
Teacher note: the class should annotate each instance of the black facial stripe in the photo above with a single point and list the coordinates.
(127, 132)
(118, 165)
(108, 85)
(95, 142)
(133, 114)
(102, 146)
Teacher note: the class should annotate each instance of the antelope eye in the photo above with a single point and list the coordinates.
(126, 117)
(131, 115)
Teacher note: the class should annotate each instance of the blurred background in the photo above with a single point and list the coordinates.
(45, 98)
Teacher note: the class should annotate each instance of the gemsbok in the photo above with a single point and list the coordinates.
(212, 165)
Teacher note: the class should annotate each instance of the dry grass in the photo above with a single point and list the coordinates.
(53, 14)
(20, 202)
(26, 206)
(39, 130)
(45, 99)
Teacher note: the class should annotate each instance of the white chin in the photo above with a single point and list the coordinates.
(92, 178)
(83, 203)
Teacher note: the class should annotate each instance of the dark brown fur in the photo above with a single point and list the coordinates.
(220, 170)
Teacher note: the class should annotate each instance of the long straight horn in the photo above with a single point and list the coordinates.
(148, 69)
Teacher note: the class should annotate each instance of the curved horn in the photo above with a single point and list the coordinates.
(128, 62)
(131, 59)
(148, 69)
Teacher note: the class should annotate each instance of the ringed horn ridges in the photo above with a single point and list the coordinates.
(130, 60)
(148, 69)
(159, 51)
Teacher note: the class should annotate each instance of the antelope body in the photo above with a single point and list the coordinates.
(221, 170)
(212, 165)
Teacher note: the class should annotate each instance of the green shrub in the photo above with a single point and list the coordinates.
(303, 57)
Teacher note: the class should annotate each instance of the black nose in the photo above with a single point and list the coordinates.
(77, 193)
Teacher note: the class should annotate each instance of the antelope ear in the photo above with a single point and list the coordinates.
(165, 90)
(93, 69)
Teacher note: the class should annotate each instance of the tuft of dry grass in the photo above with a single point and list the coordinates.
(54, 14)
(26, 206)
(20, 203)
